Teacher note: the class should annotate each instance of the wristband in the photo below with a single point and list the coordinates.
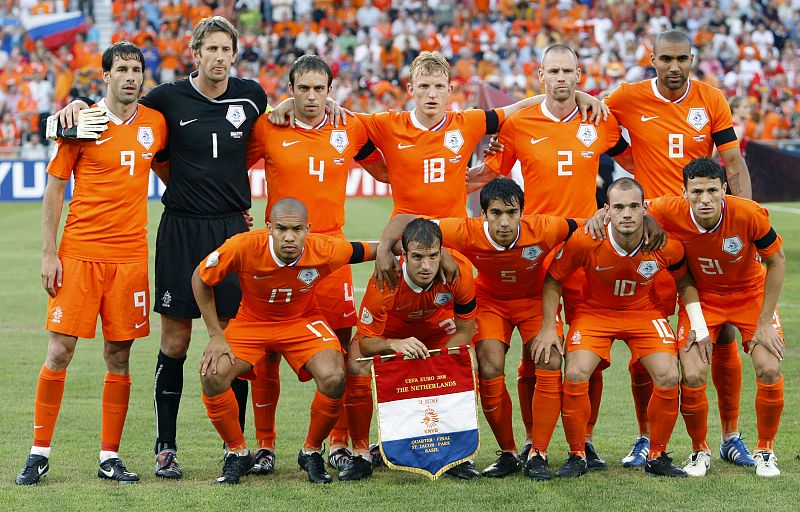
(697, 321)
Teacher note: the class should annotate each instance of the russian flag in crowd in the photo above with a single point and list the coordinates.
(55, 29)
(427, 411)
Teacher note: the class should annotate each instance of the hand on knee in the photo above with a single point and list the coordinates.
(553, 364)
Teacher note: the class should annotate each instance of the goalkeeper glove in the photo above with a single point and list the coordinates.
(92, 122)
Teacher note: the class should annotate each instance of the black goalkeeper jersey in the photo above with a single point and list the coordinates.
(208, 144)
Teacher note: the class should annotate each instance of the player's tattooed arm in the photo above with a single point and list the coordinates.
(698, 334)
(51, 216)
(465, 329)
(738, 175)
(765, 333)
(547, 338)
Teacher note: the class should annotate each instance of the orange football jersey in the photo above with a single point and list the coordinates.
(107, 218)
(666, 135)
(271, 289)
(725, 258)
(615, 279)
(310, 164)
(410, 309)
(512, 273)
(428, 168)
(560, 159)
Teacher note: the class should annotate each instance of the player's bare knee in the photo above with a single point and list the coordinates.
(214, 384)
(769, 372)
(553, 364)
(176, 333)
(60, 350)
(491, 358)
(694, 378)
(117, 356)
(574, 374)
(666, 377)
(358, 368)
(331, 383)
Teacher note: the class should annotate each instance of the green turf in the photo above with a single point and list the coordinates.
(72, 483)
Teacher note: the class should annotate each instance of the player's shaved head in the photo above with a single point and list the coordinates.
(424, 232)
(671, 36)
(289, 206)
(703, 167)
(624, 184)
(559, 49)
(502, 189)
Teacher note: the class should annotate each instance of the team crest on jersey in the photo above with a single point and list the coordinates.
(732, 245)
(236, 115)
(531, 253)
(339, 140)
(453, 140)
(442, 298)
(366, 316)
(576, 338)
(697, 118)
(145, 136)
(308, 275)
(166, 299)
(213, 259)
(587, 134)
(58, 314)
(647, 268)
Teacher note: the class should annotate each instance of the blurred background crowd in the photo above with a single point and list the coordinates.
(749, 49)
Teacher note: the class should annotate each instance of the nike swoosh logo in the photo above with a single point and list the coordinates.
(667, 342)
(404, 146)
(98, 142)
(139, 325)
(348, 314)
(600, 269)
(170, 393)
(42, 469)
(259, 278)
(645, 119)
(109, 473)
(536, 141)
(287, 144)
(184, 123)
(262, 405)
(37, 426)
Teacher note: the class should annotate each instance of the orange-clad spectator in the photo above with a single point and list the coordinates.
(703, 36)
(383, 5)
(346, 13)
(391, 56)
(9, 133)
(465, 67)
(507, 7)
(171, 14)
(458, 35)
(287, 24)
(774, 126)
(481, 37)
(42, 8)
(331, 22)
(198, 12)
(80, 51)
(171, 50)
(27, 111)
(62, 84)
(482, 6)
(430, 42)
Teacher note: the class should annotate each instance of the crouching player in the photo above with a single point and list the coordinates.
(727, 239)
(617, 303)
(419, 314)
(278, 268)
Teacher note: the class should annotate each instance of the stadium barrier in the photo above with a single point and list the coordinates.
(775, 173)
(25, 180)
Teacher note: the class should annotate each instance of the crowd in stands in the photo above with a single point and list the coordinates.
(749, 49)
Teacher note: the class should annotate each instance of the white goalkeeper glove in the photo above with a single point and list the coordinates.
(92, 122)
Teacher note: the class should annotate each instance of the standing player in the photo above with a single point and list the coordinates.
(210, 115)
(101, 264)
(421, 313)
(510, 252)
(726, 239)
(617, 303)
(671, 120)
(312, 160)
(560, 158)
(279, 268)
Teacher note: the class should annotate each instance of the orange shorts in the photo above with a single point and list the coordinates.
(296, 340)
(741, 311)
(645, 332)
(118, 292)
(334, 296)
(497, 318)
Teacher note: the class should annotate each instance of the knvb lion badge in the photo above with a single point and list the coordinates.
(427, 411)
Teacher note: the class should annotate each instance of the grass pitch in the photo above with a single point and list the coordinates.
(72, 483)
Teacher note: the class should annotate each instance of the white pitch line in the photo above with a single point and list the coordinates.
(782, 209)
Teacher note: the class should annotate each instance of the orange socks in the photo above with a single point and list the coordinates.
(358, 407)
(642, 390)
(726, 373)
(496, 404)
(265, 391)
(663, 412)
(223, 411)
(595, 397)
(694, 408)
(769, 406)
(116, 393)
(49, 391)
(575, 412)
(325, 413)
(526, 381)
(546, 407)
(340, 435)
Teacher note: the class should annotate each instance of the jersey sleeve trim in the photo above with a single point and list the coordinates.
(492, 121)
(765, 241)
(723, 137)
(572, 227)
(359, 253)
(366, 150)
(618, 148)
(465, 309)
(677, 266)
